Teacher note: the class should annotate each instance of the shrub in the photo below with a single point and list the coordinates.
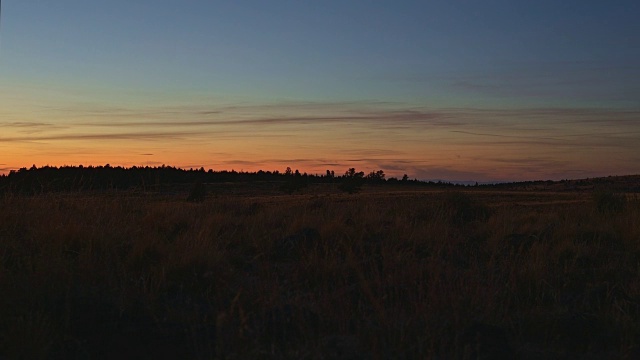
(294, 184)
(351, 186)
(197, 193)
(464, 209)
(352, 181)
(608, 202)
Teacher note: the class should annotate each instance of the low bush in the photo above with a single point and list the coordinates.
(608, 202)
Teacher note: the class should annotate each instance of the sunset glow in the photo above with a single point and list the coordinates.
(511, 91)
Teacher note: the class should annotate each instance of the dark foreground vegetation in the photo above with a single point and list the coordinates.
(390, 272)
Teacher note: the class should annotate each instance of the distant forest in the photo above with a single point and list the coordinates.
(96, 178)
(49, 179)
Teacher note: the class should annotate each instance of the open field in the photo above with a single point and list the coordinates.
(417, 273)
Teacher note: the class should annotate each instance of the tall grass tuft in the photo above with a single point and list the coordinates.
(609, 202)
(198, 192)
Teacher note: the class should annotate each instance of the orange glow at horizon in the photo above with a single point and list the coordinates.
(449, 144)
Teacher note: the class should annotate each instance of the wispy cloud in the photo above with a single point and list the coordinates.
(385, 118)
(426, 142)
(27, 127)
(137, 136)
(574, 81)
(144, 136)
(24, 124)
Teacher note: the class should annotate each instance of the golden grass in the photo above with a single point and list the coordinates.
(375, 275)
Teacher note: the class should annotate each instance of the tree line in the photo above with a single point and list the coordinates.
(46, 179)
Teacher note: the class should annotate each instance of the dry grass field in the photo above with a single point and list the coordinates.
(463, 274)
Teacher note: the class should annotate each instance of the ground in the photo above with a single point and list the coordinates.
(391, 272)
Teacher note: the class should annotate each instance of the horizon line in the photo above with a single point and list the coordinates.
(7, 171)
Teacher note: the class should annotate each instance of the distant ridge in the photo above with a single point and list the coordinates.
(628, 183)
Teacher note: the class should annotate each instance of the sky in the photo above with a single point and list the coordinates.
(463, 90)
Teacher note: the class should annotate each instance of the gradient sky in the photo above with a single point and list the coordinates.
(454, 90)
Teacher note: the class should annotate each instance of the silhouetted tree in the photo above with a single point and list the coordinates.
(352, 181)
(295, 183)
(377, 176)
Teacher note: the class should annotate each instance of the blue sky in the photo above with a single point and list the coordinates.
(150, 63)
